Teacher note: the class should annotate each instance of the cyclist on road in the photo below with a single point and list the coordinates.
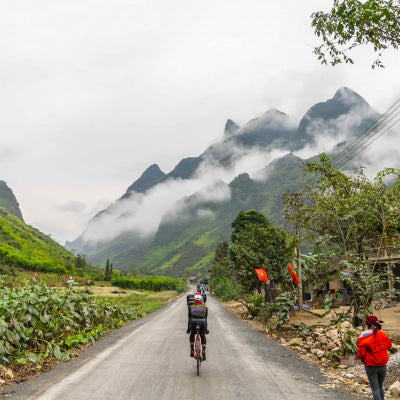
(197, 315)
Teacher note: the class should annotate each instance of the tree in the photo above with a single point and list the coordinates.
(80, 261)
(108, 271)
(221, 263)
(246, 218)
(221, 277)
(258, 246)
(355, 216)
(352, 23)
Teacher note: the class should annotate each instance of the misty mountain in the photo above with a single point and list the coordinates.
(192, 207)
(8, 201)
(151, 177)
(347, 113)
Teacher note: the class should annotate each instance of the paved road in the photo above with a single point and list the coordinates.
(149, 359)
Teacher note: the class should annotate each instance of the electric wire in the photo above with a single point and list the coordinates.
(360, 143)
(378, 124)
(375, 124)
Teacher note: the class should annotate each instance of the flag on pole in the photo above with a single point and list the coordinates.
(293, 274)
(262, 275)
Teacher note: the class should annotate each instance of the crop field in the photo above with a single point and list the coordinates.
(38, 322)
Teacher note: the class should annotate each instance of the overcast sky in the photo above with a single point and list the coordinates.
(93, 92)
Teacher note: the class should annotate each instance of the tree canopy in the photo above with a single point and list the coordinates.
(258, 244)
(360, 218)
(245, 219)
(352, 23)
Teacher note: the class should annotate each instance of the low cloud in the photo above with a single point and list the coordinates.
(327, 134)
(73, 206)
(142, 213)
(381, 153)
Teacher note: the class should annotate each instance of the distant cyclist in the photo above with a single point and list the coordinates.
(203, 293)
(197, 315)
(190, 299)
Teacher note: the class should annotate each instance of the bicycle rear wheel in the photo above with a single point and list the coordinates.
(198, 349)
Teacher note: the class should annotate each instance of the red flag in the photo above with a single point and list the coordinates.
(262, 275)
(293, 274)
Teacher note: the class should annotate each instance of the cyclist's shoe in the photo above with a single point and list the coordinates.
(207, 331)
(204, 355)
(192, 353)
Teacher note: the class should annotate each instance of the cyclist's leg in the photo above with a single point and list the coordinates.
(203, 337)
(191, 336)
(203, 332)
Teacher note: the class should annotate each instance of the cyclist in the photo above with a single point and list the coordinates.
(190, 299)
(203, 293)
(197, 315)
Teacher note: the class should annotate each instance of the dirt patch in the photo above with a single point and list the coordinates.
(352, 378)
(162, 296)
(109, 291)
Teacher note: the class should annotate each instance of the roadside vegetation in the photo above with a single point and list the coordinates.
(40, 324)
(349, 219)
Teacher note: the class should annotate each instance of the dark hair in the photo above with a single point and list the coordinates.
(375, 328)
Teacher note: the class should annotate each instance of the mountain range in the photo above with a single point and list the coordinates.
(170, 223)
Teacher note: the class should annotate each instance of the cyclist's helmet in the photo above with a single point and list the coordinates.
(198, 299)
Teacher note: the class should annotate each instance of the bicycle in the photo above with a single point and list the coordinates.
(198, 352)
(384, 304)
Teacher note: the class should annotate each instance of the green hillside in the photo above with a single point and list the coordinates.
(8, 201)
(22, 246)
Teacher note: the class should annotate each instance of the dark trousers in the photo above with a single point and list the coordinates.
(376, 376)
(203, 327)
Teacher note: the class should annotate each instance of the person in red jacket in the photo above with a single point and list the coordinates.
(373, 345)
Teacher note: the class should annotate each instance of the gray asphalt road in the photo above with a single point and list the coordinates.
(149, 359)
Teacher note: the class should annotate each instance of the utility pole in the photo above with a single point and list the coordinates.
(294, 202)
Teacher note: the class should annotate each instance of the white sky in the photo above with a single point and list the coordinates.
(94, 91)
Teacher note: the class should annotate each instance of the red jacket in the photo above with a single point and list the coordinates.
(373, 350)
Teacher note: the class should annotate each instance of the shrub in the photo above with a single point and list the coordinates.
(254, 303)
(284, 304)
(225, 288)
(37, 321)
(155, 283)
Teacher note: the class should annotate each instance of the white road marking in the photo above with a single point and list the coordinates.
(64, 384)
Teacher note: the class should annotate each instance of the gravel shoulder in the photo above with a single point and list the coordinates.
(315, 348)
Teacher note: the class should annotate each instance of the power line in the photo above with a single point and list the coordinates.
(373, 129)
(372, 141)
(360, 143)
(375, 125)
